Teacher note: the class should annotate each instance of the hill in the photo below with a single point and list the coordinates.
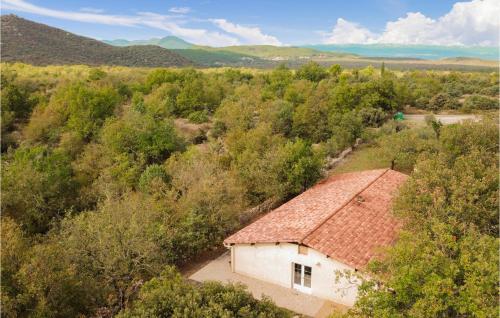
(168, 42)
(39, 44)
(208, 58)
(278, 53)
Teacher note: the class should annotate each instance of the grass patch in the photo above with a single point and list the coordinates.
(365, 157)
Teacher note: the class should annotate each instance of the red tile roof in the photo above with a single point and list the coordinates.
(346, 217)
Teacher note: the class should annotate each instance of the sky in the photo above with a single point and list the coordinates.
(274, 22)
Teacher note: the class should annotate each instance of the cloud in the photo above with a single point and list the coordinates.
(198, 36)
(180, 10)
(468, 23)
(153, 20)
(250, 35)
(346, 32)
(91, 10)
(23, 6)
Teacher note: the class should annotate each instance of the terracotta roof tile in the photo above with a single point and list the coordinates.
(346, 217)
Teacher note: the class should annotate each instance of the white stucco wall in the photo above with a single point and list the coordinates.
(273, 263)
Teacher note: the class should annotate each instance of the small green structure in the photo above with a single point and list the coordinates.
(399, 116)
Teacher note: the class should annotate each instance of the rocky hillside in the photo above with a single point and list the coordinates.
(39, 44)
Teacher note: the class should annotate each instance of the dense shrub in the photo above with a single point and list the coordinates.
(480, 102)
(169, 296)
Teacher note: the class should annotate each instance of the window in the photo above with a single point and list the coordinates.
(297, 274)
(301, 276)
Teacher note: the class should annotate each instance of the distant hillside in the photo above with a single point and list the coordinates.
(168, 42)
(222, 58)
(280, 52)
(425, 52)
(39, 44)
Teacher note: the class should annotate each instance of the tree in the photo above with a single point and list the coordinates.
(76, 107)
(311, 71)
(37, 187)
(141, 136)
(444, 263)
(335, 70)
(278, 81)
(298, 168)
(15, 247)
(53, 286)
(154, 176)
(133, 236)
(17, 102)
(442, 101)
(170, 296)
(310, 120)
(480, 102)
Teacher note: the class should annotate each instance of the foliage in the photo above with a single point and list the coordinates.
(480, 102)
(77, 107)
(169, 296)
(445, 261)
(100, 192)
(311, 71)
(37, 187)
(14, 253)
(141, 136)
(442, 101)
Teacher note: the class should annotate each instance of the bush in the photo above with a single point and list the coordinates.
(46, 176)
(372, 117)
(141, 136)
(198, 117)
(96, 74)
(480, 102)
(442, 101)
(153, 175)
(311, 71)
(170, 296)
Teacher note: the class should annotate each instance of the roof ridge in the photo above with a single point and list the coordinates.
(341, 207)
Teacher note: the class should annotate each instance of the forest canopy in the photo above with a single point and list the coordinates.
(113, 176)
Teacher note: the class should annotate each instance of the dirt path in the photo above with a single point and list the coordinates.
(445, 119)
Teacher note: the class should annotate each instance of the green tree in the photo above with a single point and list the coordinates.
(170, 296)
(442, 101)
(445, 261)
(15, 249)
(37, 187)
(298, 168)
(480, 102)
(311, 71)
(141, 136)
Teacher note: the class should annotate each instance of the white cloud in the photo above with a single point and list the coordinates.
(153, 20)
(91, 10)
(180, 10)
(346, 32)
(23, 6)
(250, 35)
(468, 23)
(198, 36)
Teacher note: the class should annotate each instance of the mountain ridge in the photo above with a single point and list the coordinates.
(39, 44)
(167, 42)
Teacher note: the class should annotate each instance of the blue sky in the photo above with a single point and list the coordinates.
(278, 22)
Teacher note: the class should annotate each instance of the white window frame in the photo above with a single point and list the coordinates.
(301, 287)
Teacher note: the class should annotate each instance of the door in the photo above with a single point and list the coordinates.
(302, 277)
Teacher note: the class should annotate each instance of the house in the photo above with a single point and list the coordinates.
(336, 226)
